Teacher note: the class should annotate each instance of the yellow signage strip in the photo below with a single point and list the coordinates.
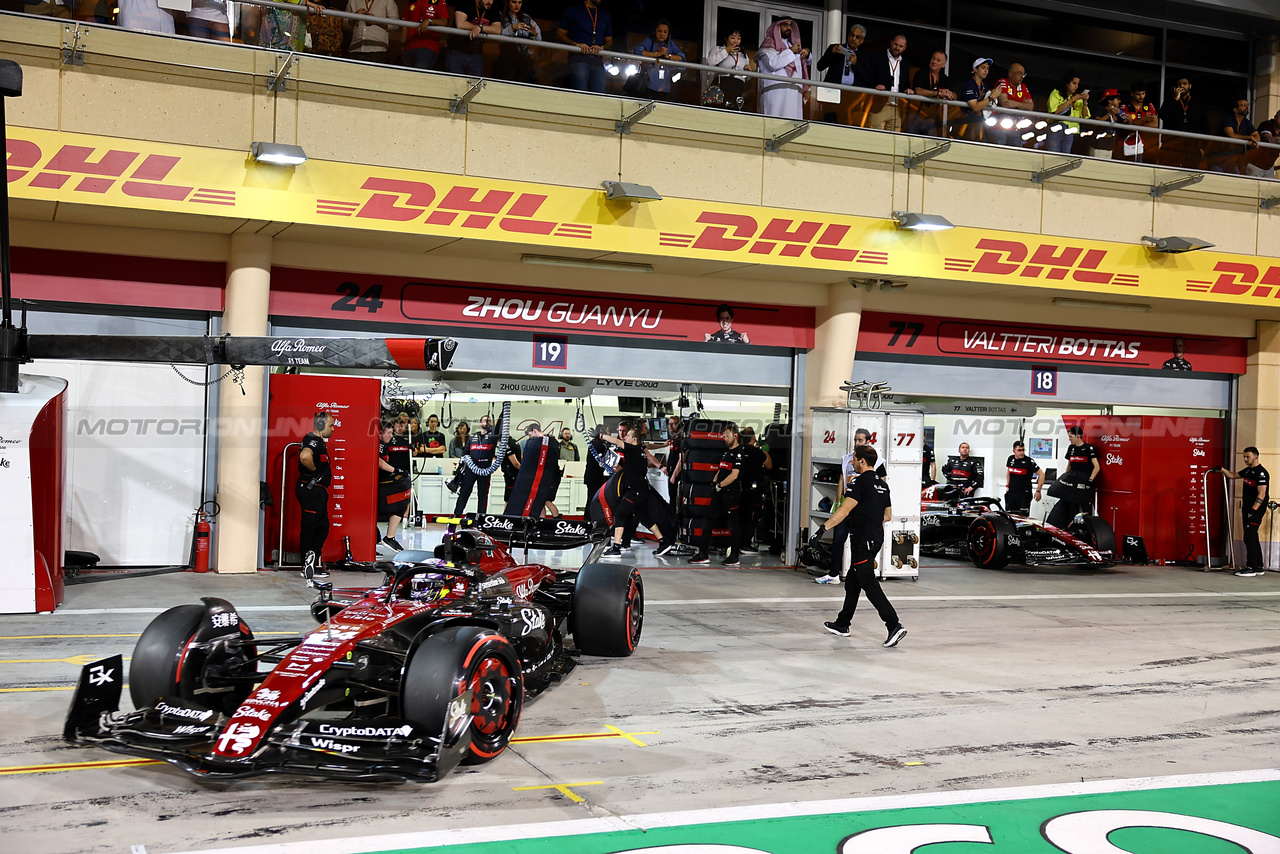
(83, 169)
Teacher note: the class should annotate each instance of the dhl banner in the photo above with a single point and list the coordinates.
(77, 168)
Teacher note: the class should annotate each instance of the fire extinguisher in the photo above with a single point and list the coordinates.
(200, 543)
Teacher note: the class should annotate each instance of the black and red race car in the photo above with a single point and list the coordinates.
(979, 529)
(400, 682)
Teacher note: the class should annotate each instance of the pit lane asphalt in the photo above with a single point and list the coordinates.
(1007, 678)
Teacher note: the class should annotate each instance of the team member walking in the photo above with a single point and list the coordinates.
(1253, 504)
(725, 501)
(394, 487)
(1083, 467)
(312, 489)
(866, 507)
(1020, 470)
(848, 475)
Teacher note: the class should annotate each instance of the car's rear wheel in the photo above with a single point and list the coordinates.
(166, 664)
(461, 659)
(608, 609)
(1095, 531)
(989, 538)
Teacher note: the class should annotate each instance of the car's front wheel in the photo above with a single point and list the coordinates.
(466, 658)
(168, 662)
(990, 538)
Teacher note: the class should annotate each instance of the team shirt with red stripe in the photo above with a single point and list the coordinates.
(964, 472)
(1080, 457)
(319, 458)
(1255, 480)
(1021, 472)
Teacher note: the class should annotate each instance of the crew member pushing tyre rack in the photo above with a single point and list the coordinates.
(1253, 504)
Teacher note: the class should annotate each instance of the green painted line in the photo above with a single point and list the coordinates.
(1219, 819)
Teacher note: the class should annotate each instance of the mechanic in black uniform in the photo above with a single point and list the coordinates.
(677, 434)
(510, 467)
(929, 470)
(1253, 504)
(865, 509)
(755, 466)
(394, 486)
(481, 447)
(629, 496)
(314, 475)
(1083, 466)
(725, 501)
(965, 472)
(1020, 470)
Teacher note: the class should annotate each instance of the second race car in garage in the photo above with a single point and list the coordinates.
(981, 530)
(399, 682)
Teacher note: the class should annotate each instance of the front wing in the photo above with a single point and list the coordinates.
(189, 736)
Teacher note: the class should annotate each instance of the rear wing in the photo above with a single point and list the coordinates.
(530, 533)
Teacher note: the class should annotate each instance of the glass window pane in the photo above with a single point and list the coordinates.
(1208, 52)
(1082, 32)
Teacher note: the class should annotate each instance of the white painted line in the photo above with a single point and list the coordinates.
(471, 836)
(787, 600)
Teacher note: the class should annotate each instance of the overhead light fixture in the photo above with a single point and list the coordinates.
(586, 263)
(921, 222)
(1176, 245)
(1099, 304)
(621, 191)
(277, 154)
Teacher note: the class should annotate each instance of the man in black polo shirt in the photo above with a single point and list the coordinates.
(394, 485)
(1253, 504)
(726, 501)
(1021, 470)
(929, 469)
(865, 509)
(754, 479)
(312, 489)
(480, 450)
(965, 472)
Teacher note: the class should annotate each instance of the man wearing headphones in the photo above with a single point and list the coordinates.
(394, 485)
(312, 489)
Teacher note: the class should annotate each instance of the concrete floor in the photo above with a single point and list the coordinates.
(736, 697)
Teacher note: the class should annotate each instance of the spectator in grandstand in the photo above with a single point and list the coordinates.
(731, 57)
(371, 42)
(922, 117)
(782, 54)
(979, 97)
(1231, 157)
(279, 28)
(1102, 142)
(659, 45)
(840, 64)
(422, 48)
(208, 20)
(590, 29)
(147, 15)
(1066, 99)
(515, 61)
(325, 32)
(1180, 113)
(1137, 113)
(466, 55)
(887, 72)
(52, 8)
(1012, 94)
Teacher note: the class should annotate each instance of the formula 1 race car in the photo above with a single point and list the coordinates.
(400, 682)
(981, 530)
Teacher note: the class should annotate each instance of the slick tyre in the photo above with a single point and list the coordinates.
(608, 610)
(165, 664)
(466, 658)
(696, 498)
(989, 540)
(1095, 531)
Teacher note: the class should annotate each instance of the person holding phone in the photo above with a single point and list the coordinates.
(1067, 99)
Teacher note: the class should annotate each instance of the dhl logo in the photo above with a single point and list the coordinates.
(723, 232)
(394, 200)
(1237, 279)
(94, 171)
(1047, 260)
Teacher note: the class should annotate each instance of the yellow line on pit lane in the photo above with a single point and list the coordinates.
(562, 788)
(77, 766)
(584, 736)
(24, 690)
